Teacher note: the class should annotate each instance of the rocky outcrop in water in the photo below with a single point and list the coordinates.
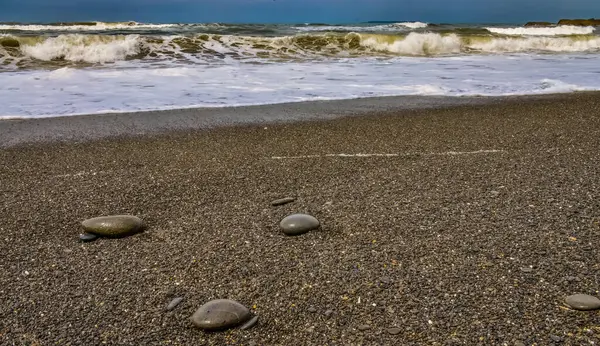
(580, 22)
(538, 24)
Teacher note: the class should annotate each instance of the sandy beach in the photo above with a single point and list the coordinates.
(458, 221)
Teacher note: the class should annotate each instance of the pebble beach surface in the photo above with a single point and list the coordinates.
(461, 225)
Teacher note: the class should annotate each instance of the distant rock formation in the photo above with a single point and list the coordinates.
(538, 24)
(580, 22)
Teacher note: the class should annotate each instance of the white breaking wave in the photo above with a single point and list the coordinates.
(112, 48)
(562, 30)
(396, 27)
(417, 44)
(81, 48)
(436, 44)
(100, 26)
(413, 25)
(543, 44)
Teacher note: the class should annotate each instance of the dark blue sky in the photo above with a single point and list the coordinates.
(297, 11)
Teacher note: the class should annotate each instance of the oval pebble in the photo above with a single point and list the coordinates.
(583, 302)
(114, 226)
(87, 237)
(173, 304)
(282, 201)
(250, 323)
(394, 331)
(297, 224)
(221, 314)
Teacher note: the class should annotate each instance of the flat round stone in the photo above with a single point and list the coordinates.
(114, 226)
(221, 314)
(282, 201)
(297, 224)
(583, 302)
(87, 237)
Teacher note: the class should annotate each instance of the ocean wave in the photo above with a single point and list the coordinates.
(412, 25)
(84, 26)
(24, 51)
(414, 44)
(563, 30)
(84, 48)
(401, 27)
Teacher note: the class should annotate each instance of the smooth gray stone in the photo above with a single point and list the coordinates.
(220, 314)
(282, 201)
(364, 327)
(583, 302)
(394, 331)
(114, 226)
(312, 309)
(87, 237)
(250, 323)
(297, 224)
(173, 304)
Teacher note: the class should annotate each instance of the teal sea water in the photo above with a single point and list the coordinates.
(74, 68)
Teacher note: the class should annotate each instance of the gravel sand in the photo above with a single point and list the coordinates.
(456, 225)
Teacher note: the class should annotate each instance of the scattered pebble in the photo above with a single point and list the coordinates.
(282, 201)
(385, 280)
(364, 327)
(312, 309)
(526, 269)
(87, 237)
(583, 302)
(328, 313)
(250, 323)
(297, 224)
(114, 226)
(556, 338)
(173, 304)
(221, 314)
(394, 331)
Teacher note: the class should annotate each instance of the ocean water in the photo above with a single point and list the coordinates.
(80, 68)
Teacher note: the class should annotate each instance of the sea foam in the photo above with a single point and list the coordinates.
(563, 30)
(68, 91)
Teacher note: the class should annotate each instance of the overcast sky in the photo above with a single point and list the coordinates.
(297, 11)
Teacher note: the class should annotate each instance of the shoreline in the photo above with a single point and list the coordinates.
(81, 128)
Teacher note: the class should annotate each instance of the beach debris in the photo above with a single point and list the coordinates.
(297, 224)
(173, 304)
(282, 201)
(583, 302)
(87, 237)
(394, 331)
(114, 226)
(222, 314)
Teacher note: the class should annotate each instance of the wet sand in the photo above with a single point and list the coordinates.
(459, 223)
